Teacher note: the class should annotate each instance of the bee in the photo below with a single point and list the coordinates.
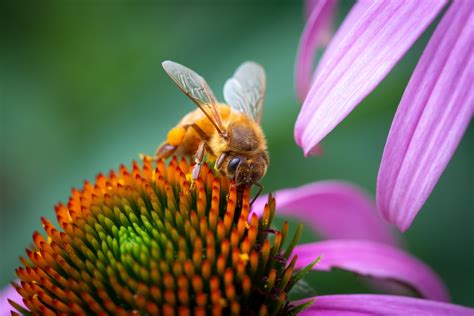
(228, 134)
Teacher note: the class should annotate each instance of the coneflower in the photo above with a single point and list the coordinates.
(141, 242)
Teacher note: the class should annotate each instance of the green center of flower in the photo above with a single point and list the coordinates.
(145, 242)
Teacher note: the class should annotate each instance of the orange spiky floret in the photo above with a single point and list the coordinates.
(141, 241)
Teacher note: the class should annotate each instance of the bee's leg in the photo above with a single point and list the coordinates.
(260, 189)
(198, 159)
(164, 151)
(168, 148)
(220, 161)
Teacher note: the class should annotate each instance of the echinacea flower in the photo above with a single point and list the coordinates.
(435, 109)
(141, 242)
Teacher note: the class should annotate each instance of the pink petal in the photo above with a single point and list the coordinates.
(372, 39)
(389, 305)
(433, 114)
(314, 35)
(334, 210)
(9, 292)
(376, 260)
(309, 5)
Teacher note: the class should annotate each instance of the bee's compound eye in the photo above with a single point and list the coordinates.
(233, 165)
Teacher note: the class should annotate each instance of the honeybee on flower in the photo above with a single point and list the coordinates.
(228, 134)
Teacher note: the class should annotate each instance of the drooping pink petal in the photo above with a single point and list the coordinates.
(315, 34)
(388, 305)
(376, 260)
(9, 292)
(309, 5)
(371, 40)
(433, 114)
(334, 210)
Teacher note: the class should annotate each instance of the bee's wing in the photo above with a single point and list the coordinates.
(245, 91)
(196, 88)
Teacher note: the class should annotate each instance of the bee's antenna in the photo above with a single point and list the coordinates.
(260, 189)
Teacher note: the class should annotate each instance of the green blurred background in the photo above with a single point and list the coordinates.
(82, 90)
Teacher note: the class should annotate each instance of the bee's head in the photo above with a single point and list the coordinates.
(247, 170)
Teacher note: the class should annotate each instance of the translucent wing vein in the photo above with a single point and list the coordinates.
(197, 89)
(245, 91)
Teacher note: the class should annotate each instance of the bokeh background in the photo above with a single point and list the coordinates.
(82, 91)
